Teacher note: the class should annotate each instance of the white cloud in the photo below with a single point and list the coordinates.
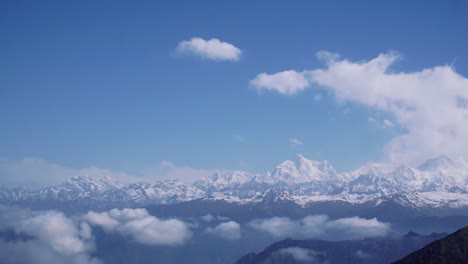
(141, 226)
(228, 230)
(294, 142)
(356, 227)
(426, 103)
(213, 49)
(286, 82)
(52, 237)
(314, 226)
(302, 254)
(431, 104)
(102, 219)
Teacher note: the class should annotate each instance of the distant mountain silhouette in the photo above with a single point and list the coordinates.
(452, 249)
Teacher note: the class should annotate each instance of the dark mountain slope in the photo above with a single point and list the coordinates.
(452, 249)
(371, 250)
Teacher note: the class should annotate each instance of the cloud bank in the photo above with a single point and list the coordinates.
(314, 226)
(212, 49)
(431, 105)
(39, 173)
(45, 237)
(141, 226)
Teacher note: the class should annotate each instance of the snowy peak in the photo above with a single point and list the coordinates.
(220, 181)
(303, 170)
(441, 163)
(101, 184)
(274, 196)
(404, 173)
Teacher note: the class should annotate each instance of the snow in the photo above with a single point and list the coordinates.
(439, 182)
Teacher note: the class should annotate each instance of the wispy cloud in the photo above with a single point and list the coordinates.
(294, 142)
(387, 123)
(36, 172)
(39, 173)
(303, 255)
(213, 49)
(168, 170)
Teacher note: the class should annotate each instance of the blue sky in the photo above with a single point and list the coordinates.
(100, 83)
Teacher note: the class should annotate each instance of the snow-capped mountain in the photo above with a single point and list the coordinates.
(439, 182)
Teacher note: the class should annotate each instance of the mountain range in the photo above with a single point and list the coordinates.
(437, 183)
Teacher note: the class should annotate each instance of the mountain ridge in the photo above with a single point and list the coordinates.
(439, 182)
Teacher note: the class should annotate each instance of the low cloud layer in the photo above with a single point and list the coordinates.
(141, 226)
(39, 173)
(314, 226)
(431, 105)
(212, 49)
(228, 230)
(45, 237)
(302, 255)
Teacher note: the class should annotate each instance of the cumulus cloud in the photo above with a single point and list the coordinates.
(50, 237)
(286, 82)
(302, 254)
(314, 226)
(213, 49)
(141, 226)
(228, 230)
(431, 105)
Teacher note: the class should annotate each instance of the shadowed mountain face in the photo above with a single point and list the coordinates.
(371, 250)
(452, 249)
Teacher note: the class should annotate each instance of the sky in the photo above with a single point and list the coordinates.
(155, 88)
